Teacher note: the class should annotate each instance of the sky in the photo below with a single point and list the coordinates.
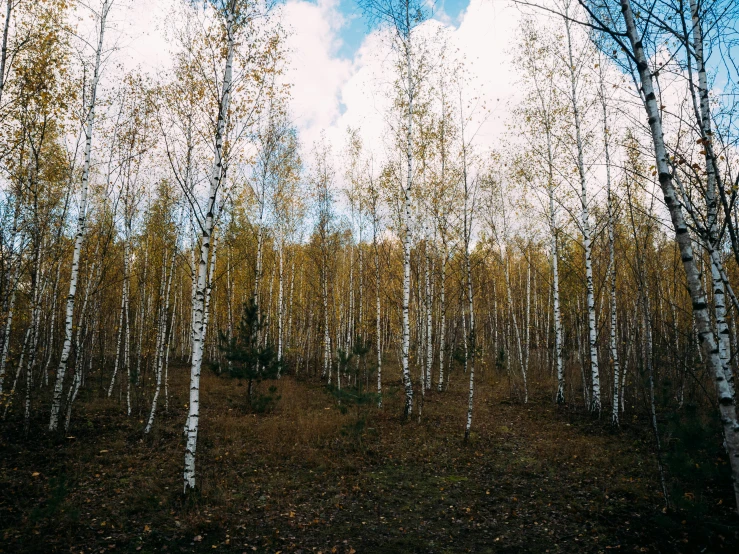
(337, 64)
(355, 27)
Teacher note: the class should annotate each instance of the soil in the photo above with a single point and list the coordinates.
(316, 476)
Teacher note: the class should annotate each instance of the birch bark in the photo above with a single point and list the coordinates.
(405, 349)
(429, 324)
(472, 341)
(611, 251)
(442, 329)
(119, 340)
(13, 282)
(38, 287)
(142, 313)
(517, 330)
(701, 315)
(555, 288)
(4, 48)
(595, 403)
(703, 115)
(198, 333)
(326, 337)
(77, 377)
(162, 342)
(81, 221)
(280, 314)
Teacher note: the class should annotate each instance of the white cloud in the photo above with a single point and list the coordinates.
(485, 38)
(331, 93)
(315, 70)
(142, 24)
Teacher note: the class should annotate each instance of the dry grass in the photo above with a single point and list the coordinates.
(531, 479)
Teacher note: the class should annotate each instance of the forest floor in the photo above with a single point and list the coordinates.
(309, 478)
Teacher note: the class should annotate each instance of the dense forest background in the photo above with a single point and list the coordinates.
(173, 254)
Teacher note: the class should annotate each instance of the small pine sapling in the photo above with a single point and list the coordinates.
(250, 358)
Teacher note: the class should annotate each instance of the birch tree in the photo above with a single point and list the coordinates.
(574, 71)
(289, 209)
(403, 17)
(610, 209)
(228, 11)
(101, 18)
(634, 36)
(541, 113)
(469, 186)
(322, 177)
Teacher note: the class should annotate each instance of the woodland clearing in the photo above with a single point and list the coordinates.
(307, 478)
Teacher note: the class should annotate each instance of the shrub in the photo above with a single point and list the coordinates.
(251, 358)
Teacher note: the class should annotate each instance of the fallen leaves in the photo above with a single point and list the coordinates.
(407, 474)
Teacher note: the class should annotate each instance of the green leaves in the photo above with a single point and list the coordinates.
(251, 356)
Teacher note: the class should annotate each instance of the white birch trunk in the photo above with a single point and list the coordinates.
(467, 221)
(353, 280)
(193, 290)
(38, 287)
(442, 329)
(614, 334)
(495, 319)
(209, 286)
(230, 300)
(406, 330)
(18, 372)
(52, 328)
(472, 340)
(13, 281)
(429, 323)
(703, 325)
(127, 330)
(291, 298)
(258, 273)
(9, 4)
(595, 403)
(166, 355)
(360, 323)
(557, 313)
(703, 114)
(162, 341)
(77, 377)
(142, 313)
(516, 329)
(611, 255)
(157, 348)
(198, 334)
(119, 340)
(280, 311)
(378, 323)
(326, 337)
(80, 232)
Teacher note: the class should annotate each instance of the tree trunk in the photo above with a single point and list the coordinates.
(162, 340)
(595, 403)
(198, 334)
(80, 233)
(703, 325)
